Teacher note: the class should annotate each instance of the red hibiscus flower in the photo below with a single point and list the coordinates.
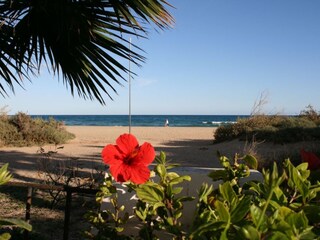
(312, 159)
(127, 160)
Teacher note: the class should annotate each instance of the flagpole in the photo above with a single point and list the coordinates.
(130, 86)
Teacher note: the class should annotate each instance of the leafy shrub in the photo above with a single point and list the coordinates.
(311, 114)
(22, 130)
(284, 205)
(278, 129)
(9, 134)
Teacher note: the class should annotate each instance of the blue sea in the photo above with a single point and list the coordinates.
(145, 120)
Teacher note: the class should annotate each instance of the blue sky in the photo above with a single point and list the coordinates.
(219, 57)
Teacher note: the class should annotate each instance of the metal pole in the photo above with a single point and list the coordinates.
(130, 86)
(28, 207)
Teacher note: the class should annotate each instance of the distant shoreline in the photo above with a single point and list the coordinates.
(144, 120)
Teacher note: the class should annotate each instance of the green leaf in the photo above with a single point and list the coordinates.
(142, 215)
(162, 157)
(298, 220)
(222, 211)
(296, 178)
(5, 176)
(274, 176)
(241, 210)
(284, 212)
(250, 233)
(251, 161)
(176, 190)
(302, 166)
(185, 199)
(256, 214)
(307, 233)
(171, 166)
(279, 195)
(227, 192)
(150, 194)
(5, 236)
(169, 221)
(243, 171)
(15, 223)
(218, 175)
(180, 180)
(177, 214)
(119, 229)
(210, 226)
(225, 162)
(204, 192)
(281, 226)
(276, 235)
(254, 187)
(172, 175)
(161, 171)
(158, 204)
(313, 213)
(168, 190)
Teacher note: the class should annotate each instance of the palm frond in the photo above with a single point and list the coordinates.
(81, 40)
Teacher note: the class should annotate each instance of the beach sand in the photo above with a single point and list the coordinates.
(188, 146)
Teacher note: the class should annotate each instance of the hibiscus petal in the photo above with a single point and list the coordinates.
(145, 155)
(110, 154)
(127, 143)
(139, 175)
(120, 172)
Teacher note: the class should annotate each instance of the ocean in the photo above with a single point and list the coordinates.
(145, 120)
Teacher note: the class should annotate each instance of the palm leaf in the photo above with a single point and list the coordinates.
(5, 176)
(15, 223)
(79, 40)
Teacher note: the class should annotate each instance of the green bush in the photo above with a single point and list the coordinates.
(8, 134)
(22, 130)
(278, 129)
(283, 205)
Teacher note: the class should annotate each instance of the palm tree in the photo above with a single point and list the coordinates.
(80, 40)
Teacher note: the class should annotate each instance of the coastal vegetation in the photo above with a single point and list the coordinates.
(273, 128)
(281, 205)
(22, 130)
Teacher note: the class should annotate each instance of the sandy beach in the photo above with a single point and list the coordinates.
(188, 146)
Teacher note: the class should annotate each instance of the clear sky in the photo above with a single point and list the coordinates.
(219, 57)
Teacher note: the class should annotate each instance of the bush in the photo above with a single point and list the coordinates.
(277, 129)
(283, 205)
(22, 130)
(311, 114)
(8, 134)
